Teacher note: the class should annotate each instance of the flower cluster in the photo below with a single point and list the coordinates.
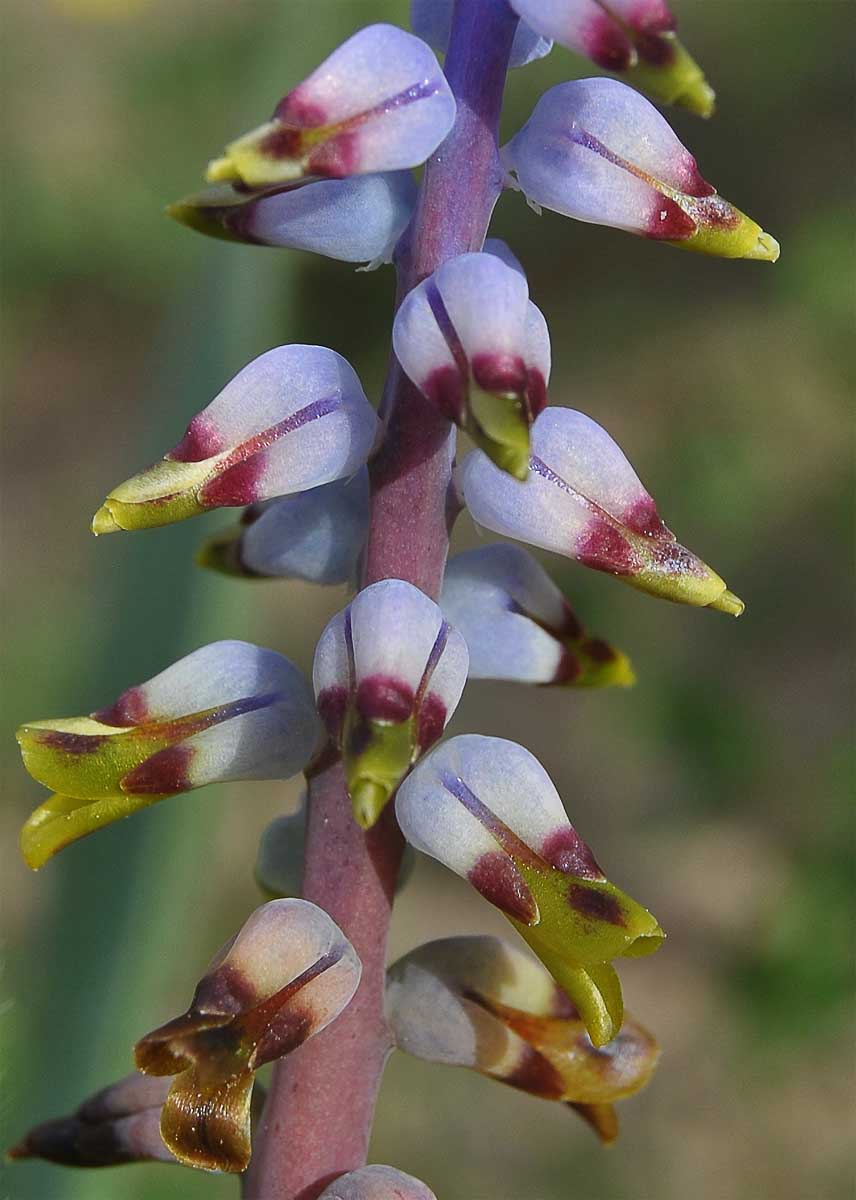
(291, 441)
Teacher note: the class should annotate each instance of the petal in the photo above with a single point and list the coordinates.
(380, 102)
(293, 419)
(353, 220)
(596, 150)
(377, 1182)
(206, 1120)
(333, 672)
(432, 21)
(61, 820)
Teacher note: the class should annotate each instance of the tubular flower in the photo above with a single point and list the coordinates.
(474, 344)
(634, 38)
(316, 536)
(380, 102)
(598, 151)
(584, 500)
(119, 1124)
(388, 674)
(487, 809)
(519, 626)
(353, 220)
(295, 418)
(289, 972)
(478, 1002)
(377, 1183)
(229, 710)
(432, 21)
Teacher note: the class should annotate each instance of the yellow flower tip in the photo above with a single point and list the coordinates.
(766, 249)
(699, 99)
(368, 799)
(222, 170)
(104, 521)
(729, 603)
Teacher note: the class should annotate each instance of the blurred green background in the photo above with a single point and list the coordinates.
(716, 791)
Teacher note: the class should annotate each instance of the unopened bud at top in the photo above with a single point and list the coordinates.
(584, 500)
(229, 710)
(388, 673)
(380, 102)
(295, 418)
(518, 625)
(432, 21)
(598, 151)
(353, 220)
(377, 1182)
(634, 38)
(487, 809)
(478, 1002)
(286, 975)
(475, 345)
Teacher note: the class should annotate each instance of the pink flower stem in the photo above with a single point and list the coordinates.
(318, 1116)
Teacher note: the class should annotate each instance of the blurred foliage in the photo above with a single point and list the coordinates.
(716, 790)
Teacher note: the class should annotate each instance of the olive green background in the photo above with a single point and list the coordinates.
(715, 791)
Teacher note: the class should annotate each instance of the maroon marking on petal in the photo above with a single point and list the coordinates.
(297, 109)
(693, 182)
(598, 650)
(70, 743)
(164, 774)
(536, 392)
(500, 882)
(595, 905)
(289, 1029)
(668, 221)
(536, 1075)
(332, 705)
(235, 486)
(655, 50)
(336, 158)
(431, 722)
(642, 517)
(445, 388)
(567, 852)
(383, 698)
(282, 143)
(225, 990)
(500, 373)
(130, 709)
(606, 44)
(571, 626)
(202, 440)
(715, 213)
(603, 548)
(568, 668)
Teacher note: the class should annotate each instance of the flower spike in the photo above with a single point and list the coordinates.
(583, 500)
(519, 626)
(377, 1183)
(289, 972)
(316, 536)
(487, 809)
(598, 151)
(353, 220)
(475, 345)
(634, 38)
(229, 710)
(388, 674)
(295, 418)
(432, 21)
(477, 1002)
(380, 102)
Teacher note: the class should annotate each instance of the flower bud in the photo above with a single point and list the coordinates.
(289, 972)
(477, 1002)
(634, 38)
(377, 1183)
(474, 344)
(584, 500)
(120, 1124)
(432, 21)
(388, 674)
(598, 151)
(229, 710)
(353, 220)
(519, 626)
(487, 809)
(295, 418)
(380, 102)
(316, 536)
